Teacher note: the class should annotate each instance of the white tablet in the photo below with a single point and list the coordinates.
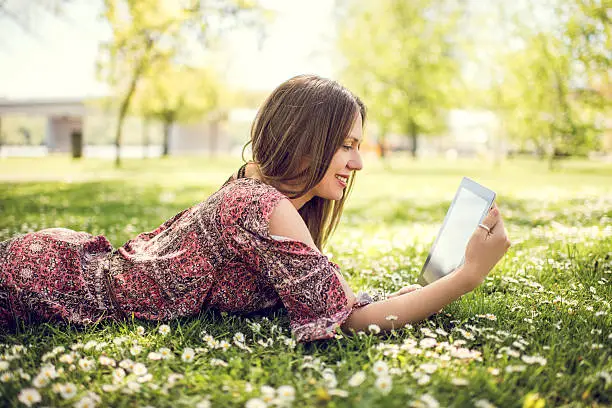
(469, 207)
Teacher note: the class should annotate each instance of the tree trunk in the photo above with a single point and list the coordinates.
(382, 148)
(414, 135)
(167, 128)
(125, 104)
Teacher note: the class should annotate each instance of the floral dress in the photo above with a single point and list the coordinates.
(217, 254)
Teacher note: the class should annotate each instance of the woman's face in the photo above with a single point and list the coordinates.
(346, 160)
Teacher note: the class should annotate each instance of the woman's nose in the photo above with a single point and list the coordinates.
(355, 163)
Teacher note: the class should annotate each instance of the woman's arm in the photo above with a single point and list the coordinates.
(483, 251)
(409, 307)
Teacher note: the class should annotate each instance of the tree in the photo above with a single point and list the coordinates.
(545, 92)
(182, 94)
(402, 56)
(148, 36)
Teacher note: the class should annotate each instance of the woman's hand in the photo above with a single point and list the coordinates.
(485, 248)
(405, 289)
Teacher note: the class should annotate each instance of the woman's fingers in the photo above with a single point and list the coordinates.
(406, 289)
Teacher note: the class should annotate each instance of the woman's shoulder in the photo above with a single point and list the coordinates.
(248, 198)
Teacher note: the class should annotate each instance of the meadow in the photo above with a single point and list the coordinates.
(536, 333)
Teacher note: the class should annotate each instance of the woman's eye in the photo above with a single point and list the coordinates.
(349, 147)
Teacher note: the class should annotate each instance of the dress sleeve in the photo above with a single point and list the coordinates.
(305, 280)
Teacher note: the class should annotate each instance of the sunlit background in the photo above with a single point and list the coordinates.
(447, 78)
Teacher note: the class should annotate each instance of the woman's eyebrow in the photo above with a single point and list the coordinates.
(353, 138)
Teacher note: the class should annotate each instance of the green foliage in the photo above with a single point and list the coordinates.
(535, 332)
(151, 37)
(401, 57)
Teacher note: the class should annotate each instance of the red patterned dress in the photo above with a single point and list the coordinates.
(217, 254)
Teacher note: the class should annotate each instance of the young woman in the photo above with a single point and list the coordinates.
(253, 245)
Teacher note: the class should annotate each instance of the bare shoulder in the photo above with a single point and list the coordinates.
(287, 222)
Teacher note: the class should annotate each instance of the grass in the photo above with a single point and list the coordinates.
(536, 332)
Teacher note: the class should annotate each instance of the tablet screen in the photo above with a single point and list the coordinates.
(463, 218)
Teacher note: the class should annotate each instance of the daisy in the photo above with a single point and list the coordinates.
(239, 337)
(6, 377)
(140, 330)
(135, 350)
(68, 390)
(165, 353)
(139, 369)
(106, 361)
(118, 375)
(86, 364)
(154, 356)
(29, 396)
(164, 329)
(255, 403)
(483, 403)
(188, 355)
(380, 368)
(267, 393)
(429, 368)
(286, 393)
(460, 381)
(428, 342)
(205, 403)
(384, 384)
(40, 381)
(357, 379)
(374, 328)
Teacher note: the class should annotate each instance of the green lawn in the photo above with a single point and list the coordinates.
(538, 331)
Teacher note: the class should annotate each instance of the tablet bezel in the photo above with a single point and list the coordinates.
(474, 187)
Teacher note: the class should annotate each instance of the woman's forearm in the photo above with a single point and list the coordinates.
(410, 307)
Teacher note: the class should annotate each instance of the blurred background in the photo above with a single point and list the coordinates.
(441, 78)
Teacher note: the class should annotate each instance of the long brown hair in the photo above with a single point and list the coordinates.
(294, 136)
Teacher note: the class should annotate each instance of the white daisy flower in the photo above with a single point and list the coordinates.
(384, 384)
(118, 375)
(239, 337)
(460, 381)
(188, 355)
(164, 329)
(68, 390)
(135, 350)
(86, 364)
(4, 365)
(391, 318)
(267, 393)
(140, 330)
(40, 381)
(339, 393)
(29, 396)
(428, 342)
(286, 393)
(154, 356)
(165, 353)
(106, 361)
(357, 379)
(6, 377)
(429, 368)
(483, 403)
(205, 403)
(380, 368)
(139, 369)
(374, 328)
(255, 403)
(429, 401)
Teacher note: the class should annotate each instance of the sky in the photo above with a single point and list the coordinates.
(58, 58)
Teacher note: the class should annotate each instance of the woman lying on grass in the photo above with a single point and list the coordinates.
(253, 245)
